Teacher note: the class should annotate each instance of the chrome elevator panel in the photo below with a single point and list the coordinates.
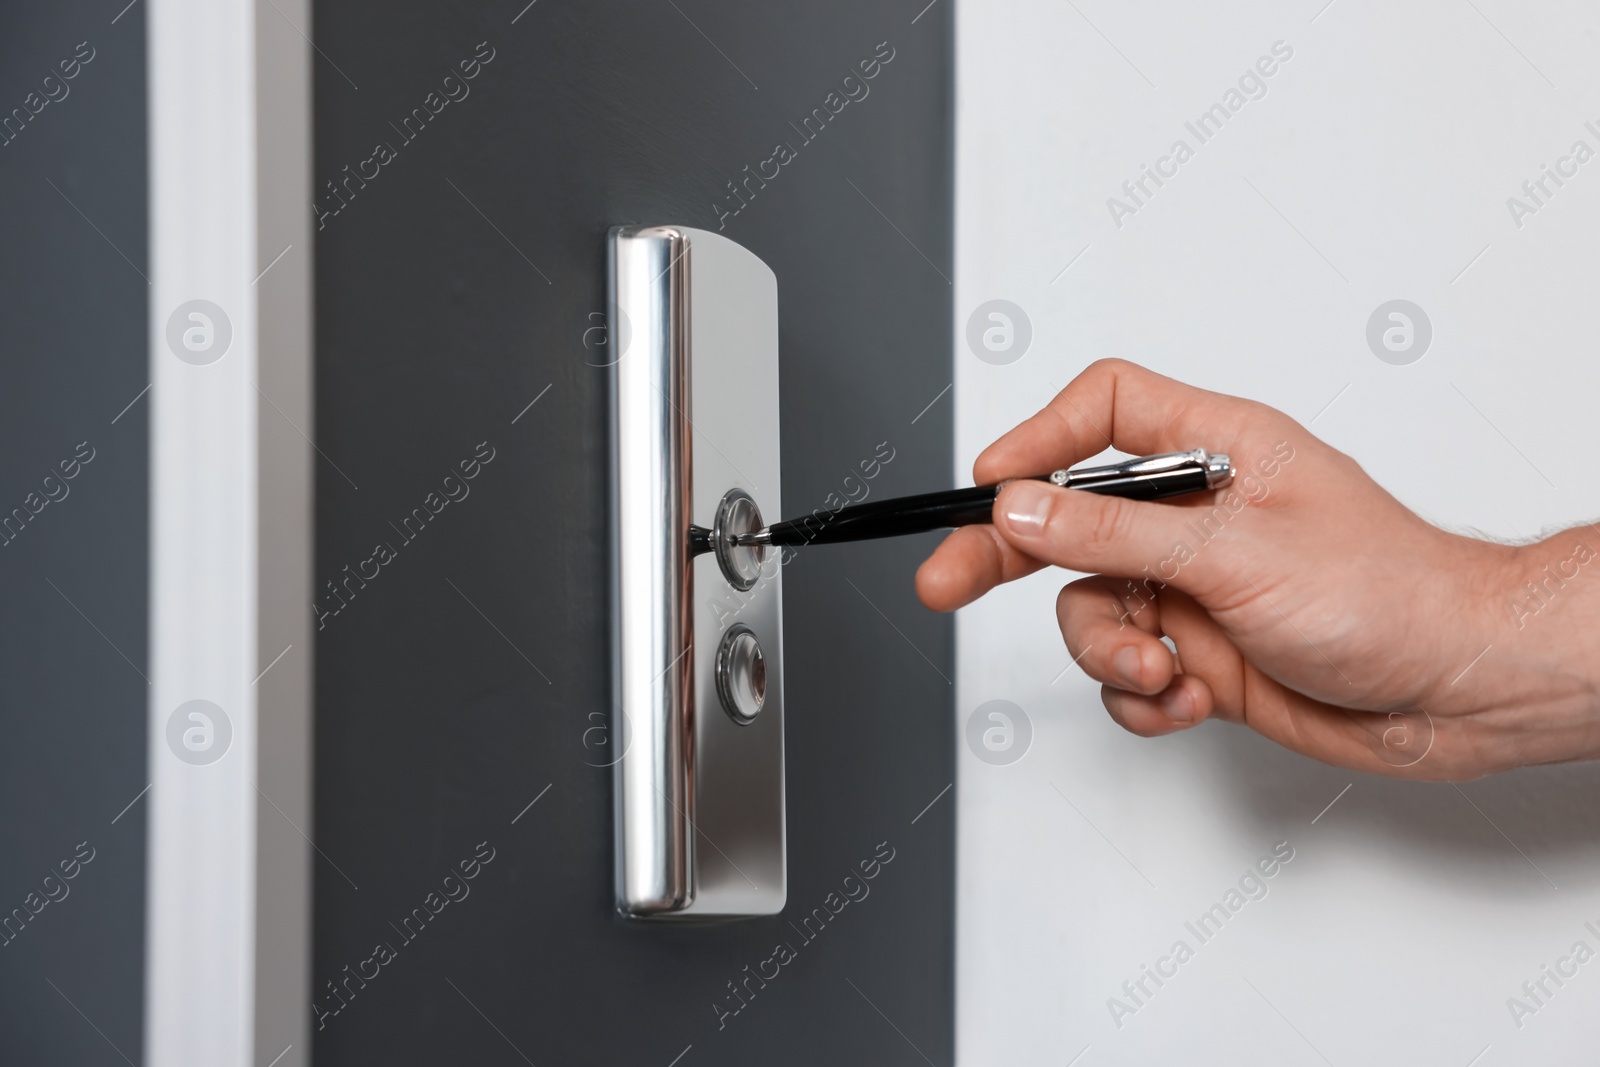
(699, 790)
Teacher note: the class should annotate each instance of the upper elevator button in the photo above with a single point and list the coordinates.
(737, 514)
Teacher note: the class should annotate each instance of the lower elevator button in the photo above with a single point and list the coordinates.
(741, 674)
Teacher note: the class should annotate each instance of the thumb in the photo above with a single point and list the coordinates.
(1085, 531)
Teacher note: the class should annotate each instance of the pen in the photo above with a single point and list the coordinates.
(1144, 478)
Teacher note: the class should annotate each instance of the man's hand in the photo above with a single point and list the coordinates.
(1304, 601)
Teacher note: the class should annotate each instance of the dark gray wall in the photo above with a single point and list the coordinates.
(453, 289)
(73, 581)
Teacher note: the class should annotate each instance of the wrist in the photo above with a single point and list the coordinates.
(1536, 638)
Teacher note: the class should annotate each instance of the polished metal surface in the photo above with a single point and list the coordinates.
(1219, 470)
(1160, 463)
(741, 673)
(738, 554)
(694, 407)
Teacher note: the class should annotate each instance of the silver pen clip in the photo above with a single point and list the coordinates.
(1217, 468)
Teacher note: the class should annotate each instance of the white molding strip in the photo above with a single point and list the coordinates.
(228, 910)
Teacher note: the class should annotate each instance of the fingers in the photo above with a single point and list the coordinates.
(1395, 744)
(1184, 703)
(1205, 652)
(1112, 633)
(1088, 532)
(1112, 403)
(1112, 629)
(1375, 742)
(1036, 523)
(1400, 744)
(966, 565)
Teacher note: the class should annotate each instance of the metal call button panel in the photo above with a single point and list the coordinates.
(697, 622)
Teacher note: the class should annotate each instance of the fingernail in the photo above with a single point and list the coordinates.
(1027, 508)
(1126, 662)
(1178, 704)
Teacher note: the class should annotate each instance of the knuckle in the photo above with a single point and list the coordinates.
(1109, 365)
(1098, 375)
(1096, 606)
(1079, 593)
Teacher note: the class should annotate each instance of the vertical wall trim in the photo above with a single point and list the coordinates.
(285, 492)
(228, 930)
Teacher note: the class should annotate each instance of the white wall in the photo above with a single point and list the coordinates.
(1391, 141)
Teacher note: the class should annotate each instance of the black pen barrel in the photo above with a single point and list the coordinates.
(1141, 486)
(889, 518)
(959, 507)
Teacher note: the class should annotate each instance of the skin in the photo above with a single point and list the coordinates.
(1304, 601)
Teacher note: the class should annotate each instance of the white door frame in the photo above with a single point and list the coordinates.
(229, 876)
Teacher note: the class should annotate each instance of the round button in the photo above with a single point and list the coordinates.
(736, 515)
(741, 674)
